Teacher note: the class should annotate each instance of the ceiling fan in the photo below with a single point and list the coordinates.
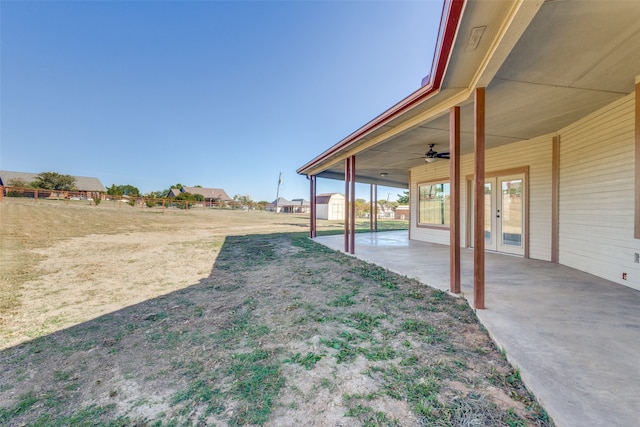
(432, 155)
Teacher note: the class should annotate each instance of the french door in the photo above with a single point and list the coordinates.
(504, 219)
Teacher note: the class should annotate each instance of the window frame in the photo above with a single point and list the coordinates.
(636, 208)
(446, 217)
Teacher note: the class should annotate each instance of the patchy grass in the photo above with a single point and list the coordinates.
(281, 331)
(308, 361)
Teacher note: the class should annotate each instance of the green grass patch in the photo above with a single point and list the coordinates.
(380, 352)
(367, 415)
(510, 379)
(258, 380)
(373, 272)
(241, 325)
(302, 241)
(344, 300)
(201, 392)
(346, 351)
(83, 417)
(410, 360)
(389, 285)
(25, 402)
(364, 321)
(423, 329)
(514, 420)
(309, 361)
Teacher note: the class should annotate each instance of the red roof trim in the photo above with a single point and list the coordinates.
(451, 13)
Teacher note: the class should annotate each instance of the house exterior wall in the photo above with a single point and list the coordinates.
(596, 193)
(534, 155)
(322, 211)
(402, 212)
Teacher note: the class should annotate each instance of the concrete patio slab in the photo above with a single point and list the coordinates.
(575, 337)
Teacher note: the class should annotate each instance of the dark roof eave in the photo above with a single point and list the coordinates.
(451, 13)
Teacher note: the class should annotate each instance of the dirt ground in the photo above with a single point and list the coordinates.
(74, 262)
(118, 316)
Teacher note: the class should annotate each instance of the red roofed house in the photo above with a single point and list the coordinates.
(532, 107)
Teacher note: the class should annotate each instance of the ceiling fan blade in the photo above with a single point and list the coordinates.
(442, 155)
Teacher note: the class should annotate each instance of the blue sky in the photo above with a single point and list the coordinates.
(210, 93)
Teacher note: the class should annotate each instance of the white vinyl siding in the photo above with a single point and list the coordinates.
(596, 194)
(534, 154)
(597, 172)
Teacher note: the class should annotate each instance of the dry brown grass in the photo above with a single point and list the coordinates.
(62, 264)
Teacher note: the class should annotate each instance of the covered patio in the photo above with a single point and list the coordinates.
(523, 139)
(575, 337)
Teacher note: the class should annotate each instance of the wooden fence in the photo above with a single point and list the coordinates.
(96, 198)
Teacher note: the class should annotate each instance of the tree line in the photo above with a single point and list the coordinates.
(47, 181)
(61, 182)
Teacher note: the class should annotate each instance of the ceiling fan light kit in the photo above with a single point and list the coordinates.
(432, 155)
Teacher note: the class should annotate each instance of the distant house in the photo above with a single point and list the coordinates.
(402, 212)
(85, 185)
(385, 211)
(174, 192)
(209, 194)
(330, 206)
(289, 206)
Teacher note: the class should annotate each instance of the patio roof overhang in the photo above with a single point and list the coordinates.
(544, 64)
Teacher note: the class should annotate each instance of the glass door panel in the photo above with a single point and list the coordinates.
(489, 241)
(504, 209)
(510, 215)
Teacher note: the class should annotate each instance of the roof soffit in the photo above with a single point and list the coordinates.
(505, 22)
(579, 45)
(501, 28)
(549, 64)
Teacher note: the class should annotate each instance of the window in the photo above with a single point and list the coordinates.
(434, 204)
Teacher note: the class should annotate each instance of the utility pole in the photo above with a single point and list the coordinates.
(278, 192)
